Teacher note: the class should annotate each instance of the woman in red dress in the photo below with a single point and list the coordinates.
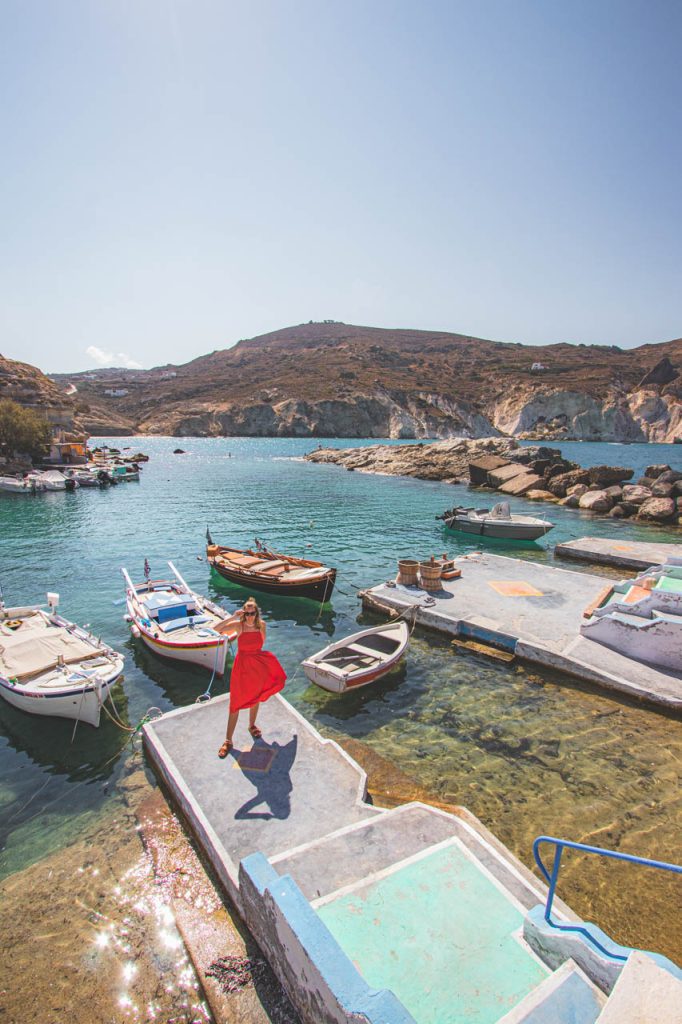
(256, 674)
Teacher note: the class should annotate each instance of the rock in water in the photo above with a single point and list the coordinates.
(657, 510)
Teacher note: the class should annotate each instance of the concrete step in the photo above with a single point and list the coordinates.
(645, 991)
(566, 997)
(356, 851)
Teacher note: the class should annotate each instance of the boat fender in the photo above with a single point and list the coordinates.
(128, 618)
(135, 631)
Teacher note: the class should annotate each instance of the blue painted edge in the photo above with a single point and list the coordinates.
(352, 992)
(488, 636)
(537, 916)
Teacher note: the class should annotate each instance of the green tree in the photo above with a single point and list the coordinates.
(22, 431)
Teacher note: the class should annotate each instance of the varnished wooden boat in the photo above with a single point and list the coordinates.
(272, 572)
(358, 659)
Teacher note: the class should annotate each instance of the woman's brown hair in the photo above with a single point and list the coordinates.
(252, 601)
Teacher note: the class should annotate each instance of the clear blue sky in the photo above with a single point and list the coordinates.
(179, 174)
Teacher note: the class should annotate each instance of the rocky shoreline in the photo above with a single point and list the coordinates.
(537, 473)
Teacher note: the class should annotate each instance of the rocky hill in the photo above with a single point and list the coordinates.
(337, 380)
(28, 386)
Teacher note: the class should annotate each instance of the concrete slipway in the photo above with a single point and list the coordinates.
(402, 916)
(621, 553)
(535, 611)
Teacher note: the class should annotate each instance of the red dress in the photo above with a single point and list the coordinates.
(256, 674)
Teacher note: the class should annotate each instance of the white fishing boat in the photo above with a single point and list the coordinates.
(83, 477)
(499, 522)
(174, 621)
(50, 666)
(20, 485)
(358, 659)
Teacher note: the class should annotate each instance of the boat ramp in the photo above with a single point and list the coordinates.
(534, 611)
(403, 916)
(623, 554)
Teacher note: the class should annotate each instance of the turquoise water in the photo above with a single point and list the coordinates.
(524, 754)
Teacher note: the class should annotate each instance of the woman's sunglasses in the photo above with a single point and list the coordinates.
(249, 613)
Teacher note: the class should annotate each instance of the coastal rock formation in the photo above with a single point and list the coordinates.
(338, 380)
(440, 460)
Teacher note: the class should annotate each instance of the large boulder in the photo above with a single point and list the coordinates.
(572, 501)
(662, 490)
(596, 501)
(540, 495)
(671, 476)
(636, 495)
(655, 471)
(646, 481)
(479, 468)
(657, 510)
(607, 475)
(559, 485)
(577, 489)
(615, 491)
(617, 512)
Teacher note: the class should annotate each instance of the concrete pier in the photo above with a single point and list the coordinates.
(621, 553)
(535, 611)
(403, 916)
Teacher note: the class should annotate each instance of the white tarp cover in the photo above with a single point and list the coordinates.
(29, 652)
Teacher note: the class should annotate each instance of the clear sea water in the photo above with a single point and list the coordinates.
(525, 754)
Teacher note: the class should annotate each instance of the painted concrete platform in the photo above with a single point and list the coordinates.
(621, 553)
(365, 914)
(534, 610)
(374, 922)
(266, 795)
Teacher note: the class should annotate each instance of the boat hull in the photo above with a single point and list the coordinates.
(82, 705)
(498, 531)
(208, 655)
(317, 590)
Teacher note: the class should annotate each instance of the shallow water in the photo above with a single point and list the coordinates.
(526, 755)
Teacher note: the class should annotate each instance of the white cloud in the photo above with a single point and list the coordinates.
(103, 358)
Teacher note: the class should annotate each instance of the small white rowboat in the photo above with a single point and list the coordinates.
(177, 623)
(49, 666)
(358, 659)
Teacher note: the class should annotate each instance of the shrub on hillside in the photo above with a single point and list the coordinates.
(22, 431)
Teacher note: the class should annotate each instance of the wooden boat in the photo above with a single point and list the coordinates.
(358, 659)
(272, 572)
(498, 522)
(49, 666)
(177, 623)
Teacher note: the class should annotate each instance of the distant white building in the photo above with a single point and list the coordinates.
(116, 392)
(538, 367)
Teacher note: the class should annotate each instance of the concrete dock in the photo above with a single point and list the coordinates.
(535, 611)
(620, 553)
(404, 916)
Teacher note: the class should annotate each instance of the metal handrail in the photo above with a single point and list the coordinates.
(552, 878)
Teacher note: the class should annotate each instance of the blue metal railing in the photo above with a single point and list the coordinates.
(552, 877)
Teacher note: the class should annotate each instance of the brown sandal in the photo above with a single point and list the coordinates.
(255, 732)
(225, 749)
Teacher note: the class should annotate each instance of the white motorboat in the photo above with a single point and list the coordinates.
(52, 480)
(499, 522)
(20, 485)
(49, 666)
(358, 659)
(174, 621)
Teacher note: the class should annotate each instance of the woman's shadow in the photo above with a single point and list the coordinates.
(273, 787)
